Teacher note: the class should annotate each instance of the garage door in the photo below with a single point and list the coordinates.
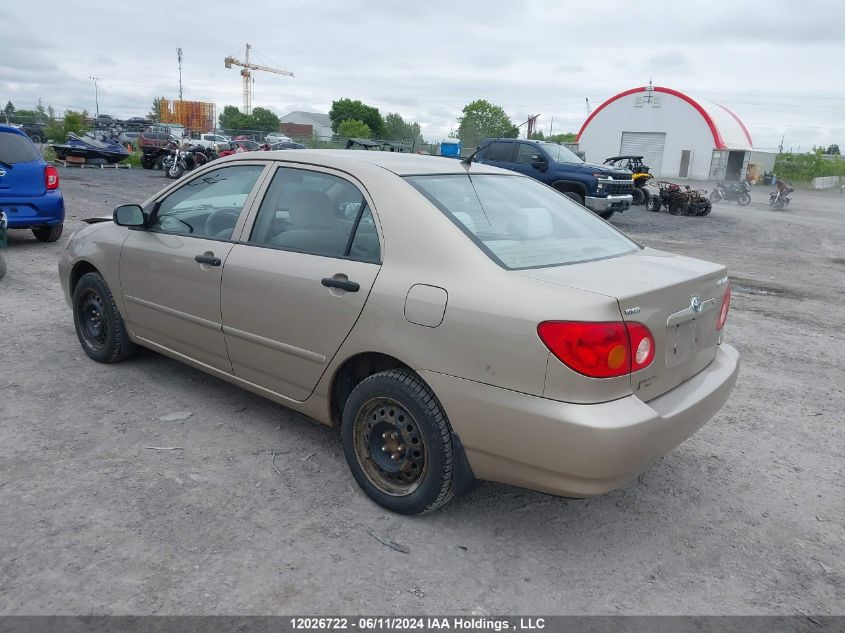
(649, 145)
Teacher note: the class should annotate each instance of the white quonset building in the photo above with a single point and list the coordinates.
(678, 136)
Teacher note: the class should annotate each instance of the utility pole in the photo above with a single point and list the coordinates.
(551, 127)
(96, 96)
(179, 57)
(780, 147)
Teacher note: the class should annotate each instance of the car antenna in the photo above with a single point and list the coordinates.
(468, 160)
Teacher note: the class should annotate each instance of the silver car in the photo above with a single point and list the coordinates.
(458, 322)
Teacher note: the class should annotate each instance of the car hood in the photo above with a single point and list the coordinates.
(590, 168)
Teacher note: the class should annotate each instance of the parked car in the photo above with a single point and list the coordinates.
(129, 138)
(35, 131)
(603, 189)
(457, 322)
(217, 142)
(277, 137)
(29, 187)
(288, 145)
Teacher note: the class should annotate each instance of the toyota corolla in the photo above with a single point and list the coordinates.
(457, 322)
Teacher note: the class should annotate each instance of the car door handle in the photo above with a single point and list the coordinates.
(208, 259)
(349, 286)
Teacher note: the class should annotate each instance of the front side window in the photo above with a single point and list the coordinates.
(527, 154)
(317, 213)
(521, 223)
(560, 153)
(208, 206)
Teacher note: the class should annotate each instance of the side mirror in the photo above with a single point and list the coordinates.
(130, 215)
(538, 162)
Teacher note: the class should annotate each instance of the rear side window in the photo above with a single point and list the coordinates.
(499, 152)
(15, 148)
(521, 223)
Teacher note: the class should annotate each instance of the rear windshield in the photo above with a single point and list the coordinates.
(15, 148)
(521, 223)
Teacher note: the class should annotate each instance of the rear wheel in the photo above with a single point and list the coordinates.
(676, 207)
(48, 233)
(147, 162)
(98, 323)
(398, 442)
(744, 199)
(35, 138)
(653, 204)
(715, 196)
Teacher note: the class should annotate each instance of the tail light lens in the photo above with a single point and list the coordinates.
(599, 350)
(51, 178)
(723, 311)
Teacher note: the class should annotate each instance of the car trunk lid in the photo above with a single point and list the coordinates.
(21, 179)
(678, 298)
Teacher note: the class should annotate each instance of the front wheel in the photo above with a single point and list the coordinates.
(744, 199)
(715, 196)
(48, 233)
(99, 325)
(175, 170)
(398, 442)
(605, 215)
(638, 196)
(653, 204)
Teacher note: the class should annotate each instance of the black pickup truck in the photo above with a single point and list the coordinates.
(600, 188)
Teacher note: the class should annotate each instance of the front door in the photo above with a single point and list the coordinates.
(292, 292)
(170, 273)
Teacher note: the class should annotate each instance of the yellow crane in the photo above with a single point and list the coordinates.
(246, 67)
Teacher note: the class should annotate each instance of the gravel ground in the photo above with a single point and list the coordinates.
(746, 517)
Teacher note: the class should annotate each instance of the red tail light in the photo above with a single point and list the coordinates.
(599, 350)
(723, 311)
(51, 178)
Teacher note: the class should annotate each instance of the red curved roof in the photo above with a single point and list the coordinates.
(718, 141)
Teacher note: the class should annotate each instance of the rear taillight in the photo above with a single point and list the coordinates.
(723, 311)
(599, 349)
(51, 177)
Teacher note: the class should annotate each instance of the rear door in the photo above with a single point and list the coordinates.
(500, 154)
(295, 286)
(21, 167)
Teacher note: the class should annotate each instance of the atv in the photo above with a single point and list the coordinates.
(641, 176)
(679, 200)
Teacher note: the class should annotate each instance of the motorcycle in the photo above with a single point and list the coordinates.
(181, 160)
(739, 191)
(779, 199)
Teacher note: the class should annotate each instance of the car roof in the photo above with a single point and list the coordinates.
(13, 130)
(400, 163)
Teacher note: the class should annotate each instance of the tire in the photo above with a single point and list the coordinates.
(2, 267)
(575, 196)
(646, 196)
(159, 160)
(48, 233)
(700, 208)
(36, 138)
(744, 199)
(653, 204)
(398, 443)
(99, 325)
(175, 171)
(638, 195)
(676, 207)
(715, 196)
(706, 210)
(605, 215)
(147, 162)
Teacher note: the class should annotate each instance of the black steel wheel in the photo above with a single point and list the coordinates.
(653, 203)
(99, 325)
(398, 442)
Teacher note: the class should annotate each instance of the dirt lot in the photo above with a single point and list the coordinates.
(746, 517)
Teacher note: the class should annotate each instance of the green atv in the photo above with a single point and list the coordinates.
(640, 175)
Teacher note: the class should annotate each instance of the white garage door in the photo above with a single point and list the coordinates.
(649, 145)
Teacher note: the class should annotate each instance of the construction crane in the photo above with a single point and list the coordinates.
(246, 67)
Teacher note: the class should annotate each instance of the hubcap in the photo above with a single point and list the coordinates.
(389, 447)
(93, 320)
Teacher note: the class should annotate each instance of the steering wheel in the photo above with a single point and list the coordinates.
(220, 224)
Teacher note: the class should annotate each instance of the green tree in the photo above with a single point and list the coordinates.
(9, 109)
(538, 136)
(353, 128)
(264, 120)
(832, 149)
(345, 109)
(155, 109)
(481, 119)
(398, 129)
(568, 137)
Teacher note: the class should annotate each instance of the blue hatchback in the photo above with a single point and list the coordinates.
(29, 187)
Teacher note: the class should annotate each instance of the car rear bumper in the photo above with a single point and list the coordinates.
(610, 202)
(26, 213)
(577, 450)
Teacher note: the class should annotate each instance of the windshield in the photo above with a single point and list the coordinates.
(15, 148)
(560, 153)
(521, 223)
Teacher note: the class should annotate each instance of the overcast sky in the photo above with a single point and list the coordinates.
(779, 64)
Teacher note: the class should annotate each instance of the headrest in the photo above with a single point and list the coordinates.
(530, 223)
(311, 210)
